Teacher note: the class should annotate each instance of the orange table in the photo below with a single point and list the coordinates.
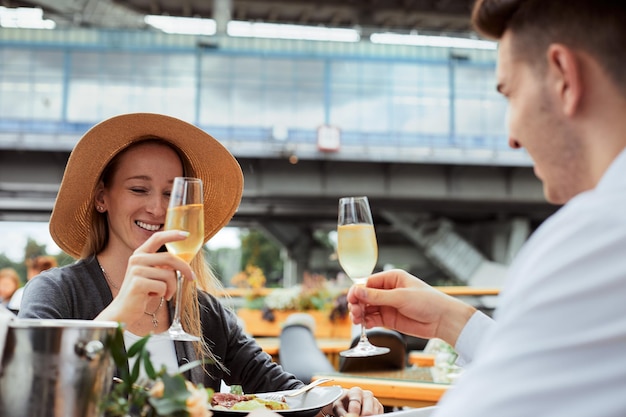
(419, 358)
(410, 387)
(454, 290)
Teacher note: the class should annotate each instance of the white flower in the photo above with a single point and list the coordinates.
(283, 298)
(198, 402)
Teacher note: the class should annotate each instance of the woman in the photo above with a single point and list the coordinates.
(110, 212)
(9, 283)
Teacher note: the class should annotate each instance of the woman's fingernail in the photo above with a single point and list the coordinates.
(183, 233)
(193, 276)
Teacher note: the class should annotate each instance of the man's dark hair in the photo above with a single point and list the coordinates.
(596, 26)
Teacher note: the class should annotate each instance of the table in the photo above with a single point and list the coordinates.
(453, 290)
(409, 387)
(419, 358)
(330, 347)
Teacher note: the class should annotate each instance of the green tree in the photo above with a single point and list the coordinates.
(258, 250)
(19, 267)
(64, 259)
(224, 262)
(323, 238)
(5, 262)
(33, 249)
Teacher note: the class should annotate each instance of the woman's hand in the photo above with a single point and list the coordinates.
(149, 274)
(358, 402)
(395, 299)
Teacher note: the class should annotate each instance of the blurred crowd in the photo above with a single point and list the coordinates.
(10, 284)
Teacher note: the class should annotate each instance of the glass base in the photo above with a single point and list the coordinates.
(178, 334)
(364, 349)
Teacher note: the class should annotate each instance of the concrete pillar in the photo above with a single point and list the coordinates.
(222, 12)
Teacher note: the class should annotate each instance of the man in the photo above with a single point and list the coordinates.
(557, 345)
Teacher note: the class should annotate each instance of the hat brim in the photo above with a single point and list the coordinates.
(204, 157)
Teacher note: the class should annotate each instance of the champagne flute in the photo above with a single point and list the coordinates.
(185, 212)
(358, 252)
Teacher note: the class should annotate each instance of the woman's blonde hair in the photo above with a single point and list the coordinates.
(12, 275)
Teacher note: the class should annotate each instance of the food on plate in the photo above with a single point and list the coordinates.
(244, 402)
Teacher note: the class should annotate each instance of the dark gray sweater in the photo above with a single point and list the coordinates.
(79, 291)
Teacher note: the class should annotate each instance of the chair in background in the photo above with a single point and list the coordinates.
(298, 351)
(414, 342)
(395, 359)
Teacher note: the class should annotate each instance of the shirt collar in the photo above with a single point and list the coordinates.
(614, 175)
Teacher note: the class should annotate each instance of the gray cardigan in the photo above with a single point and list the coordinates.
(80, 291)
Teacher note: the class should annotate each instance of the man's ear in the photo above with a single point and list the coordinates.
(565, 77)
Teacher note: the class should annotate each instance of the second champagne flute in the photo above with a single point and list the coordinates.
(185, 212)
(358, 252)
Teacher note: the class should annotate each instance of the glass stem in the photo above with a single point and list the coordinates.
(179, 287)
(363, 338)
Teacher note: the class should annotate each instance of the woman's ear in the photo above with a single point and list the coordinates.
(565, 71)
(99, 198)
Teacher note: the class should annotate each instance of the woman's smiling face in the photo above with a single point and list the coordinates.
(137, 196)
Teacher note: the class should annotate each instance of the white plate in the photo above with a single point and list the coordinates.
(307, 404)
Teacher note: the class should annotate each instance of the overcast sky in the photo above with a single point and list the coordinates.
(13, 237)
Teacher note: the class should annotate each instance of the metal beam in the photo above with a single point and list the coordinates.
(440, 243)
(308, 191)
(92, 13)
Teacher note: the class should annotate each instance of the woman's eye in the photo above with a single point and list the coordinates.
(139, 190)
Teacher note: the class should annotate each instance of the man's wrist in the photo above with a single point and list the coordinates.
(454, 322)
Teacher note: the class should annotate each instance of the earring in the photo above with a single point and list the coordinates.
(100, 208)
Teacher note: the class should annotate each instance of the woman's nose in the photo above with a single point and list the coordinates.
(158, 206)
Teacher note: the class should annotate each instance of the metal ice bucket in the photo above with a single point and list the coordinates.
(55, 368)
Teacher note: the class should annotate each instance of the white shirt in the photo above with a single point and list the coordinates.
(16, 299)
(557, 346)
(162, 353)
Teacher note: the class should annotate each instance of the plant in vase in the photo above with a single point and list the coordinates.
(156, 394)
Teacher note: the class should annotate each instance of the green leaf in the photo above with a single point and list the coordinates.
(120, 357)
(174, 398)
(209, 391)
(135, 372)
(167, 406)
(175, 387)
(147, 364)
(184, 368)
(138, 346)
(117, 348)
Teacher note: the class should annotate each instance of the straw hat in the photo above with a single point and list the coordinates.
(204, 157)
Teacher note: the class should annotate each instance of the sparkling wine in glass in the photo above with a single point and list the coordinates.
(358, 252)
(185, 212)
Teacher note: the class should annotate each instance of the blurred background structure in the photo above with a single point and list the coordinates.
(394, 99)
